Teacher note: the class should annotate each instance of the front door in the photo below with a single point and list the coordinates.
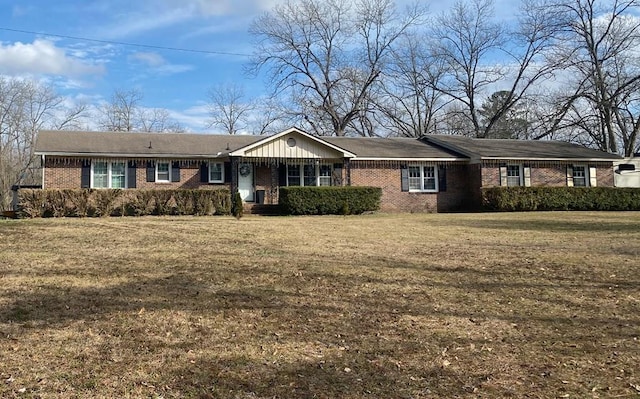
(245, 182)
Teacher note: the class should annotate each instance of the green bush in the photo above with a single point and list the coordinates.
(35, 203)
(237, 207)
(561, 199)
(329, 200)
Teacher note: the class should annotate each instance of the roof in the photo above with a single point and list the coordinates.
(129, 144)
(186, 145)
(519, 149)
(372, 148)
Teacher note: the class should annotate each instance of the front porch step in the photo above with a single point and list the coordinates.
(262, 209)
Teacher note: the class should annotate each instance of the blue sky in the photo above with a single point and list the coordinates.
(176, 80)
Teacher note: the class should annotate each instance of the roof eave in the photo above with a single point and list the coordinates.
(540, 159)
(428, 159)
(123, 155)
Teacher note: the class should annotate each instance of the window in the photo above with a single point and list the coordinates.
(309, 175)
(579, 176)
(324, 177)
(216, 172)
(163, 172)
(293, 175)
(108, 174)
(100, 174)
(513, 175)
(423, 178)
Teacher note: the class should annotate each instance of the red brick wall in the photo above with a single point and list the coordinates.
(547, 175)
(388, 177)
(65, 174)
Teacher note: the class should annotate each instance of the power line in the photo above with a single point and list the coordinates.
(86, 39)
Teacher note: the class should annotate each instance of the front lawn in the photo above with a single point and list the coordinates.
(537, 305)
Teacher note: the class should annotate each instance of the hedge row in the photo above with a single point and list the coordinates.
(329, 200)
(95, 203)
(561, 199)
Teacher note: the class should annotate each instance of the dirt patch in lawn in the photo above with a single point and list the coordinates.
(532, 305)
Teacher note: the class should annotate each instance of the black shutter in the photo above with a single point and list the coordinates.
(204, 172)
(404, 179)
(85, 174)
(151, 172)
(282, 175)
(175, 172)
(227, 172)
(131, 174)
(442, 178)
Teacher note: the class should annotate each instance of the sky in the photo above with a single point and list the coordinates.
(185, 48)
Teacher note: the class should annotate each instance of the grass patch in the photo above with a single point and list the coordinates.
(404, 306)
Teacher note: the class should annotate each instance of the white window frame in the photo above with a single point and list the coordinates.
(221, 180)
(422, 188)
(318, 179)
(585, 177)
(168, 180)
(109, 174)
(520, 175)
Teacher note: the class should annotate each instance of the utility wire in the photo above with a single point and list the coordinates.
(86, 39)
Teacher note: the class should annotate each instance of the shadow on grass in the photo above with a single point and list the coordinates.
(322, 309)
(562, 224)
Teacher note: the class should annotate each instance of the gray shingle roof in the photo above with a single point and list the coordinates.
(183, 145)
(518, 149)
(390, 148)
(176, 145)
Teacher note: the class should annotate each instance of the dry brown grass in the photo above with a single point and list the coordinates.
(535, 305)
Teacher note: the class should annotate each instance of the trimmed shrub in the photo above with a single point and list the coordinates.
(329, 200)
(561, 199)
(82, 202)
(237, 208)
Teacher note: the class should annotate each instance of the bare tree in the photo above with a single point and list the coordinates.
(469, 36)
(157, 120)
(125, 113)
(327, 54)
(601, 41)
(228, 108)
(121, 113)
(25, 108)
(408, 102)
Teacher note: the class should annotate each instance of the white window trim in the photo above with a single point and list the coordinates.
(109, 175)
(221, 174)
(301, 170)
(422, 189)
(587, 176)
(169, 178)
(520, 175)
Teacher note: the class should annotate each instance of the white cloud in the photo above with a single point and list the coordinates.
(158, 64)
(43, 57)
(151, 59)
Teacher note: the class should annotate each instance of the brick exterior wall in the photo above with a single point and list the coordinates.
(62, 174)
(388, 177)
(549, 175)
(462, 192)
(66, 174)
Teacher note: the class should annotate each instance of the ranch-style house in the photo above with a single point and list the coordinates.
(435, 173)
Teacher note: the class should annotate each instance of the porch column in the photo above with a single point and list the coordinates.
(347, 165)
(234, 174)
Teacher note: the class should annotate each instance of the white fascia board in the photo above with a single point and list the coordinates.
(121, 155)
(240, 152)
(525, 159)
(410, 159)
